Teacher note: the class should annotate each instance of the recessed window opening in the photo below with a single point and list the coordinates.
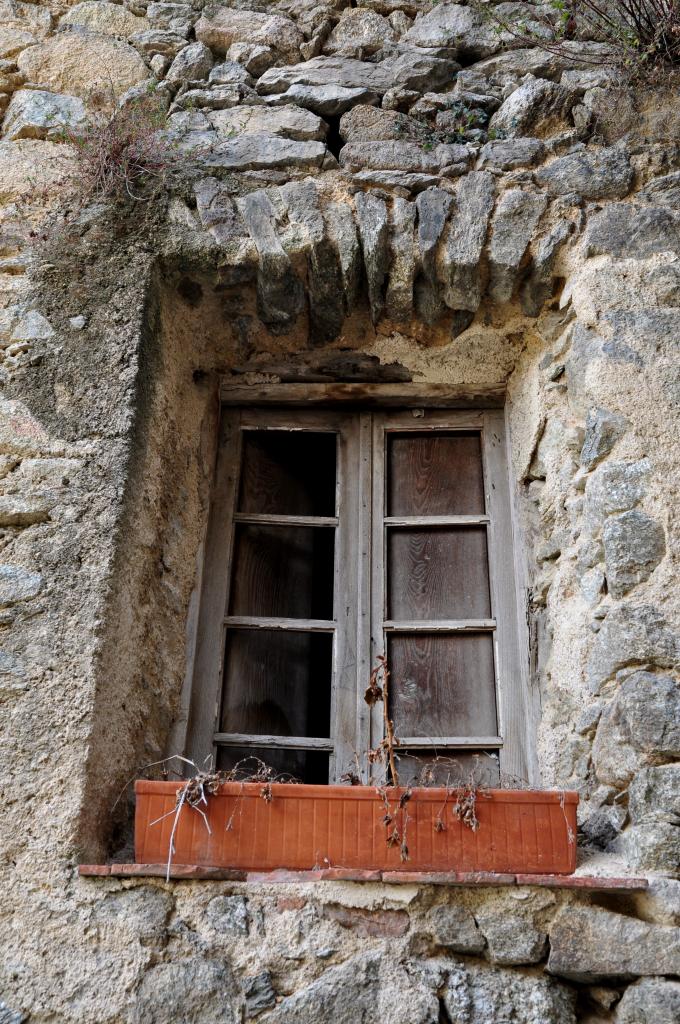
(340, 535)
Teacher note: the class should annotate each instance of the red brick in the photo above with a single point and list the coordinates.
(94, 870)
(377, 923)
(350, 875)
(290, 903)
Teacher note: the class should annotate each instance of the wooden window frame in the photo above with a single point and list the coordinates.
(359, 577)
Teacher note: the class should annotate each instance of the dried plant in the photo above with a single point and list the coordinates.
(123, 152)
(384, 752)
(642, 36)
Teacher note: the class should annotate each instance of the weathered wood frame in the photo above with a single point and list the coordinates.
(359, 584)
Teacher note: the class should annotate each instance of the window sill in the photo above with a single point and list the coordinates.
(473, 879)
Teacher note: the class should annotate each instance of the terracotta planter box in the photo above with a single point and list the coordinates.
(306, 827)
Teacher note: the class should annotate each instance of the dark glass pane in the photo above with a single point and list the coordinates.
(288, 472)
(277, 683)
(283, 571)
(434, 474)
(448, 768)
(442, 685)
(310, 766)
(438, 574)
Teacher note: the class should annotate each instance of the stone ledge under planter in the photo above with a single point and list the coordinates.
(196, 872)
(261, 828)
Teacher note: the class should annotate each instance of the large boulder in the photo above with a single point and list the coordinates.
(640, 727)
(536, 108)
(410, 70)
(35, 114)
(592, 944)
(599, 174)
(83, 64)
(105, 18)
(650, 1001)
(359, 33)
(220, 27)
(631, 634)
(466, 32)
(634, 544)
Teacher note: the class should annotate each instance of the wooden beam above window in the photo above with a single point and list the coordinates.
(441, 396)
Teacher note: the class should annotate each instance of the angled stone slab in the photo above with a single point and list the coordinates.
(403, 156)
(433, 208)
(326, 100)
(462, 280)
(343, 235)
(399, 295)
(287, 122)
(537, 289)
(374, 236)
(628, 230)
(325, 291)
(514, 222)
(411, 70)
(280, 295)
(266, 152)
(600, 174)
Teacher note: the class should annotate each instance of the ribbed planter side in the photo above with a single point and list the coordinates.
(306, 827)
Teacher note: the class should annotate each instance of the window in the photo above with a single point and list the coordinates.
(337, 535)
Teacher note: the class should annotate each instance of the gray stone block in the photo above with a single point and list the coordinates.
(650, 1001)
(634, 544)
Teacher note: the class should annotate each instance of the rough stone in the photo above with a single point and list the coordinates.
(260, 994)
(537, 288)
(498, 994)
(603, 430)
(510, 154)
(254, 57)
(280, 295)
(18, 584)
(366, 123)
(342, 232)
(640, 727)
(16, 510)
(260, 152)
(511, 938)
(228, 914)
(196, 991)
(31, 164)
(142, 913)
(359, 33)
(229, 72)
(465, 31)
(626, 230)
(514, 223)
(412, 71)
(631, 635)
(105, 18)
(659, 903)
(35, 114)
(654, 795)
(652, 847)
(474, 202)
(453, 927)
(220, 27)
(155, 41)
(326, 100)
(536, 108)
(664, 190)
(650, 1001)
(591, 944)
(606, 174)
(13, 41)
(399, 294)
(634, 544)
(402, 156)
(8, 1016)
(374, 236)
(286, 122)
(192, 64)
(615, 486)
(83, 64)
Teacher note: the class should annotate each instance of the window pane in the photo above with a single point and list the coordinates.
(288, 472)
(448, 768)
(277, 683)
(438, 574)
(442, 685)
(283, 571)
(310, 766)
(434, 474)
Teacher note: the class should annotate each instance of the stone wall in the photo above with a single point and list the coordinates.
(345, 217)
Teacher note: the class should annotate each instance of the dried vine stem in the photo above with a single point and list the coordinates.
(375, 693)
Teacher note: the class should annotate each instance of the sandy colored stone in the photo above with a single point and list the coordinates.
(359, 33)
(13, 41)
(30, 166)
(105, 18)
(220, 27)
(83, 64)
